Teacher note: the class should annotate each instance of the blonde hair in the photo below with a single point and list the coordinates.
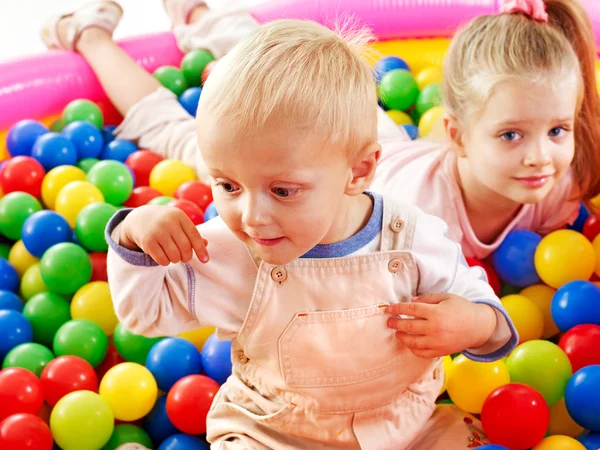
(302, 72)
(497, 48)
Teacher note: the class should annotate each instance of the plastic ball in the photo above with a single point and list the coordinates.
(20, 258)
(16, 330)
(563, 256)
(157, 422)
(168, 175)
(399, 117)
(113, 179)
(183, 442)
(189, 401)
(22, 174)
(74, 197)
(527, 318)
(91, 223)
(543, 366)
(130, 390)
(67, 374)
(398, 90)
(199, 336)
(81, 420)
(4, 250)
(429, 75)
(94, 303)
(20, 392)
(514, 258)
(579, 223)
(591, 441)
(558, 443)
(127, 434)
(87, 163)
(542, 295)
(207, 71)
(492, 278)
(581, 344)
(46, 312)
(141, 163)
(596, 246)
(576, 303)
(211, 212)
(86, 138)
(190, 209)
(58, 125)
(9, 278)
(32, 282)
(30, 356)
(412, 131)
(515, 415)
(141, 196)
(470, 382)
(111, 359)
(22, 136)
(196, 192)
(81, 338)
(172, 78)
(99, 268)
(561, 422)
(65, 268)
(193, 64)
(44, 229)
(53, 150)
(172, 359)
(25, 432)
(430, 119)
(10, 300)
(430, 96)
(83, 110)
(108, 133)
(56, 179)
(15, 208)
(162, 200)
(216, 359)
(133, 347)
(189, 100)
(591, 229)
(387, 64)
(582, 397)
(118, 150)
(492, 447)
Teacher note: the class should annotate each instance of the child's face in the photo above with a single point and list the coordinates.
(523, 143)
(279, 190)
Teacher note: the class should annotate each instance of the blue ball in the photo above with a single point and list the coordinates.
(16, 330)
(412, 130)
(10, 300)
(576, 303)
(86, 137)
(118, 150)
(108, 133)
(189, 100)
(211, 212)
(183, 442)
(492, 447)
(157, 423)
(216, 358)
(387, 64)
(22, 136)
(44, 229)
(581, 218)
(53, 150)
(9, 278)
(591, 441)
(514, 259)
(581, 397)
(172, 359)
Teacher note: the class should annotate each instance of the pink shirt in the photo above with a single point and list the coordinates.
(421, 173)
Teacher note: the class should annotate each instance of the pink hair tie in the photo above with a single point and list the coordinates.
(536, 9)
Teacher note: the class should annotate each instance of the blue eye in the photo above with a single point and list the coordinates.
(227, 187)
(557, 132)
(281, 192)
(510, 136)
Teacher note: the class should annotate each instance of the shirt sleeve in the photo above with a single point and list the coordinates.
(443, 268)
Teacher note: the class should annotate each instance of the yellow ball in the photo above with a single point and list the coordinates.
(525, 315)
(198, 337)
(596, 201)
(429, 75)
(130, 390)
(561, 422)
(57, 179)
(20, 258)
(94, 302)
(32, 282)
(559, 443)
(541, 295)
(430, 119)
(563, 256)
(598, 76)
(470, 382)
(399, 117)
(596, 245)
(169, 174)
(74, 197)
(447, 361)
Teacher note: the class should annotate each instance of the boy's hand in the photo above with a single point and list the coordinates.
(165, 233)
(443, 324)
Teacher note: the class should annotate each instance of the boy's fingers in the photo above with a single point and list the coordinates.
(420, 310)
(157, 254)
(409, 326)
(197, 242)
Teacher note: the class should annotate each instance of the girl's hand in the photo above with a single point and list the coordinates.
(165, 233)
(442, 324)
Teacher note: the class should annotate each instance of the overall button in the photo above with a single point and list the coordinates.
(395, 265)
(396, 225)
(279, 274)
(241, 357)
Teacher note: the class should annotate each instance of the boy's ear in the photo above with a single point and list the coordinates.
(363, 169)
(454, 135)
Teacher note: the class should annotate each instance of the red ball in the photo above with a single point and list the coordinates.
(140, 196)
(190, 209)
(67, 374)
(22, 173)
(98, 266)
(25, 432)
(591, 227)
(493, 278)
(516, 416)
(20, 392)
(111, 359)
(141, 164)
(207, 70)
(111, 115)
(582, 345)
(197, 192)
(188, 403)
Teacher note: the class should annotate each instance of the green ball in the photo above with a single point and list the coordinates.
(193, 65)
(114, 180)
(83, 338)
(162, 200)
(58, 125)
(30, 356)
(430, 96)
(15, 208)
(84, 110)
(5, 250)
(508, 289)
(90, 225)
(32, 282)
(543, 366)
(133, 347)
(46, 312)
(65, 268)
(415, 116)
(398, 89)
(172, 78)
(127, 433)
(86, 164)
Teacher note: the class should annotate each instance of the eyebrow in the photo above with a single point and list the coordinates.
(519, 122)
